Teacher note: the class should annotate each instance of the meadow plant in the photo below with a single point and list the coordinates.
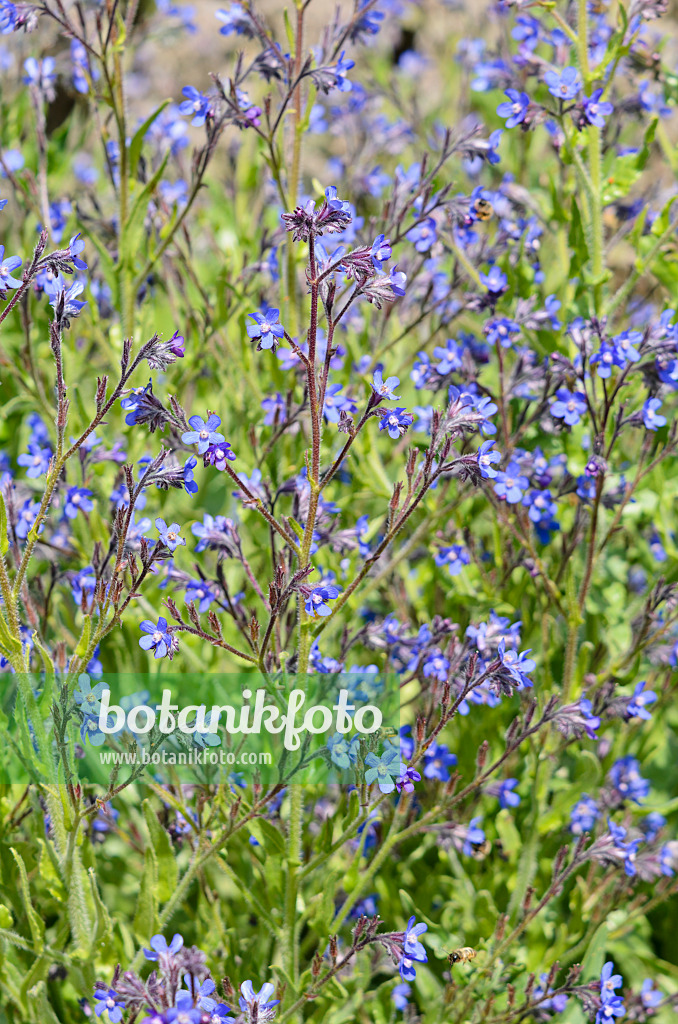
(354, 359)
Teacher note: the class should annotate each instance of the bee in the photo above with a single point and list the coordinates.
(461, 956)
(482, 209)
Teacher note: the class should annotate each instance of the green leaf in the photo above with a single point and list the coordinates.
(4, 539)
(35, 922)
(166, 863)
(145, 919)
(103, 927)
(138, 138)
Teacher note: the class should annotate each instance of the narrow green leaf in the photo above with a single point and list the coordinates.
(167, 865)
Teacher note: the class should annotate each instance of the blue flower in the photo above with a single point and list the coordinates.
(196, 105)
(161, 952)
(384, 770)
(651, 417)
(6, 268)
(184, 1012)
(515, 109)
(169, 535)
(26, 516)
(500, 331)
(398, 280)
(199, 593)
(609, 981)
(450, 357)
(385, 388)
(87, 698)
(396, 422)
(72, 305)
(267, 328)
(276, 409)
(517, 665)
(473, 836)
(454, 557)
(507, 798)
(423, 235)
(108, 1001)
(257, 1005)
(436, 665)
(37, 460)
(583, 815)
(40, 73)
(406, 780)
(77, 500)
(381, 251)
(341, 68)
(510, 484)
(649, 995)
(336, 403)
(606, 357)
(202, 992)
(203, 433)
(218, 455)
(316, 598)
(159, 639)
(495, 281)
(595, 112)
(343, 750)
(569, 406)
(75, 247)
(235, 19)
(412, 947)
(487, 458)
(437, 762)
(89, 730)
(190, 486)
(627, 780)
(400, 994)
(637, 706)
(564, 85)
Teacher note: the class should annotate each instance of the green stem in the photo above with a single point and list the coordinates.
(290, 950)
(293, 189)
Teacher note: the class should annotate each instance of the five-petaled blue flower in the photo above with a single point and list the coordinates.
(595, 112)
(158, 638)
(88, 697)
(169, 535)
(267, 328)
(385, 388)
(107, 1001)
(315, 600)
(37, 460)
(515, 109)
(495, 281)
(569, 406)
(454, 557)
(203, 433)
(637, 706)
(396, 421)
(384, 770)
(196, 105)
(77, 500)
(423, 235)
(564, 85)
(510, 484)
